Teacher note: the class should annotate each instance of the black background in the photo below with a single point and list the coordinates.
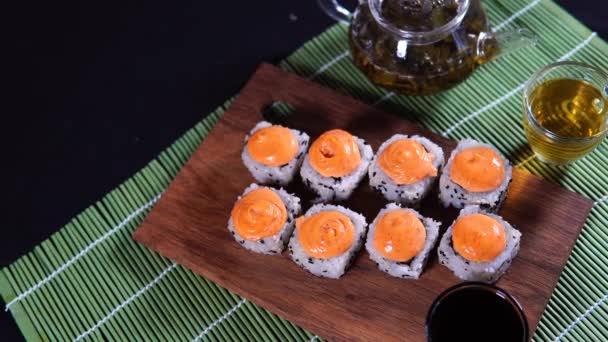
(94, 91)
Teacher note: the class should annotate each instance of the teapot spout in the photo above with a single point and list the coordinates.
(491, 45)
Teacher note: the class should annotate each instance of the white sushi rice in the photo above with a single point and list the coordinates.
(412, 268)
(479, 271)
(273, 244)
(407, 194)
(337, 188)
(333, 267)
(452, 194)
(281, 175)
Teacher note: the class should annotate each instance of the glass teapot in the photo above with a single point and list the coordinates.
(420, 47)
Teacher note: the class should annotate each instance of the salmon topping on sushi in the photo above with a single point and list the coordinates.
(478, 237)
(260, 213)
(406, 161)
(326, 234)
(273, 146)
(399, 236)
(335, 154)
(478, 169)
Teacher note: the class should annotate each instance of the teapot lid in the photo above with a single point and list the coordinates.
(419, 21)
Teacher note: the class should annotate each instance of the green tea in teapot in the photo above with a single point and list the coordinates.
(420, 47)
(417, 67)
(418, 15)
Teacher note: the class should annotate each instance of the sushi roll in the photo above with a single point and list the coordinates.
(262, 219)
(327, 239)
(479, 246)
(405, 168)
(475, 174)
(273, 154)
(335, 164)
(400, 240)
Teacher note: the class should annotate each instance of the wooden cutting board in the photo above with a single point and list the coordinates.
(188, 225)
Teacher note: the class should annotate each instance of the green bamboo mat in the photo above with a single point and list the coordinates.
(91, 281)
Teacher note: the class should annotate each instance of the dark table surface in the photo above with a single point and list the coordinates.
(97, 90)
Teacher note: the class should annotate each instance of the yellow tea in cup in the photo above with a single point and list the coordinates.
(565, 111)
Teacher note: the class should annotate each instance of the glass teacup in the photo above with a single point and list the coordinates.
(565, 111)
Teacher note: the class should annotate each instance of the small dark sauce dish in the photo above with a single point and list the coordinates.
(474, 311)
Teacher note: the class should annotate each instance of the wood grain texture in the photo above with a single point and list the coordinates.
(188, 225)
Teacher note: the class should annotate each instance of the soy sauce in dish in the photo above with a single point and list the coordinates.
(476, 312)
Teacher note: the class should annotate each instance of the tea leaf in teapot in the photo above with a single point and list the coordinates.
(419, 15)
(416, 69)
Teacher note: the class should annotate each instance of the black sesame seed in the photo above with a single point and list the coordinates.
(310, 261)
(232, 233)
(262, 241)
(374, 174)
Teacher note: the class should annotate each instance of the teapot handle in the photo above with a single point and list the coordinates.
(335, 10)
(491, 45)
